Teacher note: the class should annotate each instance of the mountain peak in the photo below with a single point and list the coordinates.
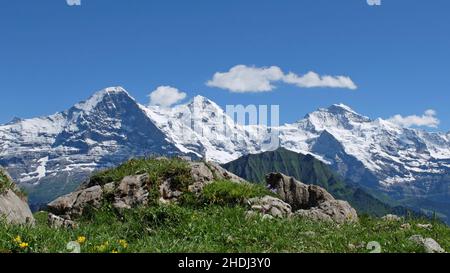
(200, 99)
(335, 116)
(114, 90)
(100, 96)
(340, 108)
(202, 103)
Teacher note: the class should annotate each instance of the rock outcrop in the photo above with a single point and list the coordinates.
(132, 191)
(297, 194)
(73, 205)
(205, 173)
(12, 208)
(336, 210)
(269, 207)
(59, 222)
(429, 244)
(391, 218)
(311, 201)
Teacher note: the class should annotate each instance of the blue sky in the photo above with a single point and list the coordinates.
(398, 54)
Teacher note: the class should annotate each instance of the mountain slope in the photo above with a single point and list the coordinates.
(378, 154)
(406, 164)
(51, 156)
(202, 127)
(309, 170)
(54, 154)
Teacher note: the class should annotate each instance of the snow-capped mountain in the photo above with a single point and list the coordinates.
(405, 163)
(394, 154)
(203, 128)
(52, 155)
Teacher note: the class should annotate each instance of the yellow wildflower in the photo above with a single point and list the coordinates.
(123, 243)
(114, 251)
(81, 240)
(18, 240)
(102, 248)
(23, 245)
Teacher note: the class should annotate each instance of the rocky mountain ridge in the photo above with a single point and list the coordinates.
(51, 156)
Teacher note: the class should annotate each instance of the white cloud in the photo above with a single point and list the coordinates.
(242, 78)
(312, 79)
(166, 96)
(428, 119)
(73, 2)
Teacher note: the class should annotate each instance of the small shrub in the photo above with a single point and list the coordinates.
(227, 193)
(5, 183)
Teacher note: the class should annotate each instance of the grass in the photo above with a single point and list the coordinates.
(157, 169)
(175, 229)
(227, 193)
(214, 221)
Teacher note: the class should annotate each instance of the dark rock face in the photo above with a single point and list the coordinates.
(311, 201)
(344, 164)
(297, 194)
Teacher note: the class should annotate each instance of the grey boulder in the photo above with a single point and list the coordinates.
(132, 191)
(391, 218)
(269, 205)
(337, 211)
(429, 244)
(311, 201)
(204, 173)
(55, 221)
(73, 205)
(15, 210)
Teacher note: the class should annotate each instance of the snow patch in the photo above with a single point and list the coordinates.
(40, 172)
